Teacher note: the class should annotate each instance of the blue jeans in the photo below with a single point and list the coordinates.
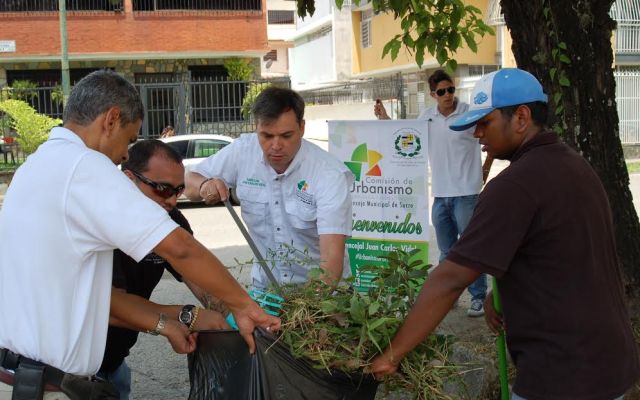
(450, 216)
(121, 378)
(516, 397)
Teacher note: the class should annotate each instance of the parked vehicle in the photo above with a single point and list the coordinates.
(197, 147)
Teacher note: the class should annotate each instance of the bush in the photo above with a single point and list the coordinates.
(238, 69)
(23, 90)
(32, 128)
(254, 90)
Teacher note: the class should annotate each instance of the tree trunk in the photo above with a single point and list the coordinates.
(590, 120)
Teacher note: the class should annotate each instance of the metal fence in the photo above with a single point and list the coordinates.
(138, 5)
(206, 106)
(366, 91)
(52, 5)
(628, 99)
(214, 5)
(628, 38)
(215, 106)
(202, 106)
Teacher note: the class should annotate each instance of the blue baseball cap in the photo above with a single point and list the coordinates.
(503, 88)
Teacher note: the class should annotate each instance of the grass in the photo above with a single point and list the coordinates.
(5, 167)
(633, 167)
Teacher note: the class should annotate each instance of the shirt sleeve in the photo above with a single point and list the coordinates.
(334, 213)
(222, 164)
(105, 211)
(497, 229)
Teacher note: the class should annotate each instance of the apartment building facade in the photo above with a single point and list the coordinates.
(348, 45)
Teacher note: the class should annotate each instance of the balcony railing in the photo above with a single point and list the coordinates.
(281, 17)
(628, 38)
(19, 6)
(189, 5)
(494, 13)
(52, 5)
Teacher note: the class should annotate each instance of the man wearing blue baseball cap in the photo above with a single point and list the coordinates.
(543, 228)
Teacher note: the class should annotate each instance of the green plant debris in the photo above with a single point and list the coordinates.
(341, 329)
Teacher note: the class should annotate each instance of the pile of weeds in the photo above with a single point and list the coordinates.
(340, 328)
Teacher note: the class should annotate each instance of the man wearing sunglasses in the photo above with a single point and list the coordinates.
(456, 173)
(157, 170)
(67, 209)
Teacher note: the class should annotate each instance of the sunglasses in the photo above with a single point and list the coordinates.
(160, 189)
(450, 89)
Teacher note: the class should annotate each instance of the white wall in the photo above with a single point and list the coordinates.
(312, 62)
(323, 8)
(277, 68)
(316, 117)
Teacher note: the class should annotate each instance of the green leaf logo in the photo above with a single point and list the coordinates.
(362, 155)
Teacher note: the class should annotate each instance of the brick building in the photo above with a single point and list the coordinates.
(146, 40)
(173, 50)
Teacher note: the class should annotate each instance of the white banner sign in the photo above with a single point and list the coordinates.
(390, 194)
(7, 46)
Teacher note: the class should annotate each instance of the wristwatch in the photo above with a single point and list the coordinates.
(186, 316)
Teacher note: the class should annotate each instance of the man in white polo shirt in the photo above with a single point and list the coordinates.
(456, 177)
(295, 197)
(67, 209)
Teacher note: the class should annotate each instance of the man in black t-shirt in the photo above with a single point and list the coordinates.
(543, 228)
(158, 172)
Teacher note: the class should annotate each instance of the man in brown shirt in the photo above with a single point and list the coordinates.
(543, 227)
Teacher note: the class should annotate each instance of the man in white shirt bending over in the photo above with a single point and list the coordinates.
(295, 197)
(67, 209)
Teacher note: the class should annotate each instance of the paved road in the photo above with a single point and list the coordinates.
(159, 373)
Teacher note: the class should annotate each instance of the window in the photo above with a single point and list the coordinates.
(71, 5)
(205, 147)
(365, 28)
(272, 55)
(180, 146)
(212, 98)
(235, 5)
(280, 17)
(479, 70)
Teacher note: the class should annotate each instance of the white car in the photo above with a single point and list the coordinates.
(195, 148)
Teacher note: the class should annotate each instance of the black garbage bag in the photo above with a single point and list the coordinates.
(221, 368)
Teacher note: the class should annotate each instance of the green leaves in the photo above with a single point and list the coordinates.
(32, 128)
(557, 73)
(565, 59)
(392, 46)
(357, 310)
(436, 27)
(308, 7)
(338, 328)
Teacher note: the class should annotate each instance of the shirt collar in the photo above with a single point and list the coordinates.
(66, 134)
(459, 110)
(541, 139)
